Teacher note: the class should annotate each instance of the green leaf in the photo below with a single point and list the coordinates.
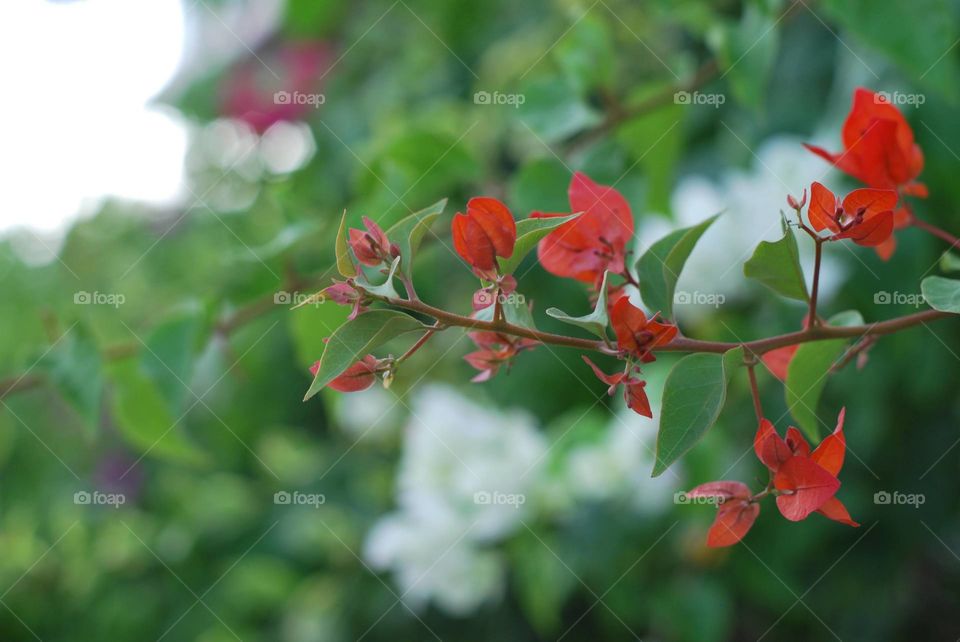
(941, 293)
(386, 288)
(408, 232)
(585, 54)
(693, 396)
(344, 262)
(355, 339)
(515, 311)
(809, 370)
(144, 419)
(596, 322)
(168, 355)
(553, 109)
(75, 368)
(529, 232)
(950, 262)
(746, 52)
(660, 266)
(776, 264)
(916, 35)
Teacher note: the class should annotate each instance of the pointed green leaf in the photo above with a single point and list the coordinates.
(355, 339)
(386, 288)
(660, 266)
(344, 262)
(809, 370)
(515, 311)
(145, 420)
(168, 354)
(941, 294)
(777, 265)
(529, 232)
(596, 322)
(408, 232)
(74, 366)
(693, 396)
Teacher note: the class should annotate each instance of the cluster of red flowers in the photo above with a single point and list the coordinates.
(802, 481)
(590, 246)
(879, 151)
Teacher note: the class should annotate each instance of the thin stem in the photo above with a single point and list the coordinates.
(812, 317)
(936, 231)
(755, 390)
(419, 344)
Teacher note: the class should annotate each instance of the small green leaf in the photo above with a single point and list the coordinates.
(809, 370)
(693, 396)
(950, 262)
(660, 266)
(515, 311)
(529, 232)
(386, 288)
(408, 232)
(167, 358)
(746, 52)
(75, 368)
(144, 418)
(777, 265)
(344, 262)
(941, 294)
(732, 361)
(355, 339)
(596, 322)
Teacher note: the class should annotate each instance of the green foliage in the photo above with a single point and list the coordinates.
(777, 265)
(660, 266)
(596, 322)
(355, 339)
(809, 371)
(693, 397)
(941, 294)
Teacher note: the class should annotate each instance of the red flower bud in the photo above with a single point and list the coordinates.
(635, 333)
(485, 232)
(371, 246)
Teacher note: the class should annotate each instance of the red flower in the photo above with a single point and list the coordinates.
(805, 481)
(359, 376)
(633, 392)
(865, 215)
(736, 512)
(495, 350)
(485, 232)
(371, 246)
(635, 333)
(878, 146)
(593, 242)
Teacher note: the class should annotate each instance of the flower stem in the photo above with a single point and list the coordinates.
(936, 231)
(812, 317)
(755, 390)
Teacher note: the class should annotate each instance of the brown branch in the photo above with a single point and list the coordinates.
(680, 344)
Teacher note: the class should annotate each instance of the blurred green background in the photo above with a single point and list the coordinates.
(151, 354)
